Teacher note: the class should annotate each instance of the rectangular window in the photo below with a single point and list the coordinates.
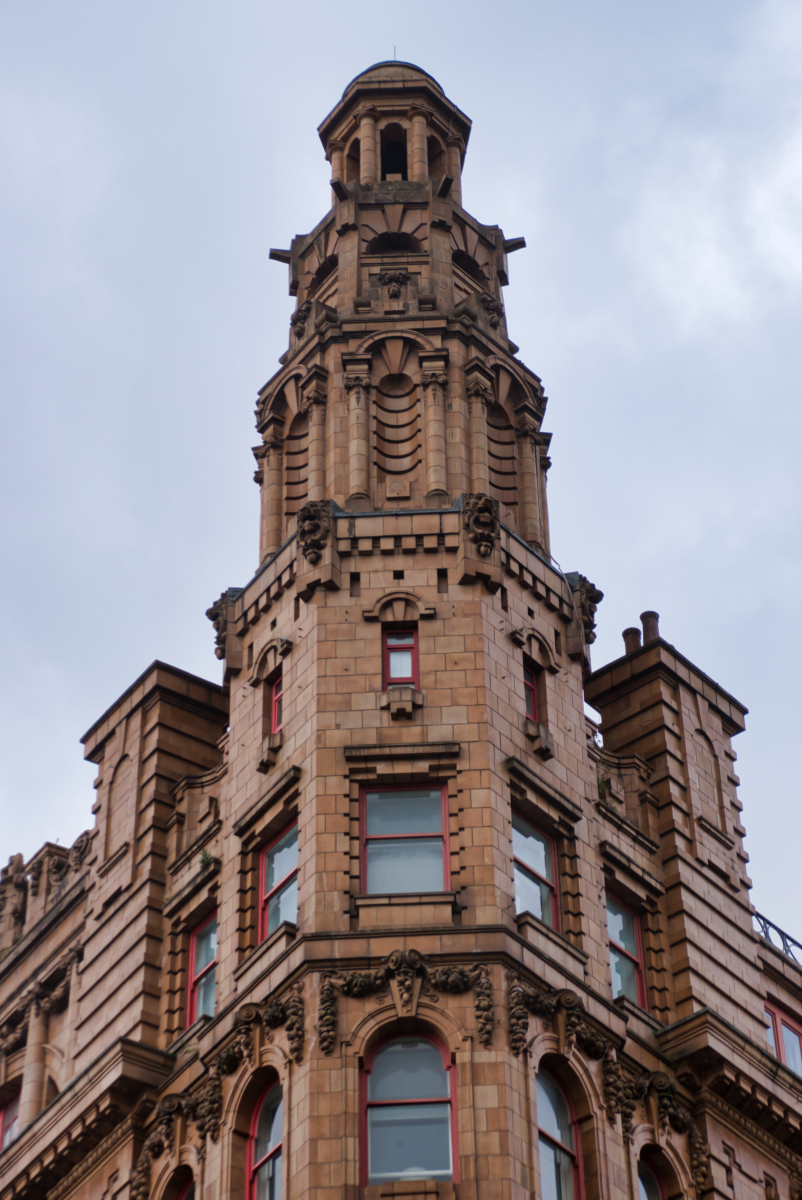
(784, 1038)
(279, 888)
(535, 862)
(202, 970)
(276, 703)
(400, 657)
(530, 692)
(403, 843)
(9, 1122)
(626, 952)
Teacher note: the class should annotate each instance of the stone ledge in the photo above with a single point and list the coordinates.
(401, 750)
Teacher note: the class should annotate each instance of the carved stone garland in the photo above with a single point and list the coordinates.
(394, 281)
(314, 527)
(407, 975)
(480, 520)
(205, 1106)
(621, 1092)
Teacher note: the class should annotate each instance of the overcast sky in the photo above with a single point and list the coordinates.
(151, 153)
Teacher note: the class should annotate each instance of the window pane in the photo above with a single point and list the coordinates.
(282, 859)
(268, 1129)
(408, 1069)
(532, 896)
(401, 639)
(770, 1032)
(10, 1117)
(268, 1180)
(625, 976)
(405, 866)
(206, 945)
(532, 848)
(793, 1052)
(621, 927)
(204, 995)
(409, 1142)
(400, 664)
(556, 1173)
(277, 714)
(405, 812)
(283, 906)
(553, 1114)
(648, 1187)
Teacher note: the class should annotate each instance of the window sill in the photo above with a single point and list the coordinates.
(270, 750)
(411, 1189)
(401, 701)
(560, 950)
(271, 948)
(538, 735)
(415, 909)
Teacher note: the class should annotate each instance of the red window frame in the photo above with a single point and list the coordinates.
(576, 1154)
(277, 887)
(253, 1167)
(412, 680)
(530, 691)
(194, 979)
(639, 968)
(780, 1018)
(187, 1191)
(401, 837)
(9, 1117)
(277, 703)
(649, 1169)
(364, 1104)
(556, 923)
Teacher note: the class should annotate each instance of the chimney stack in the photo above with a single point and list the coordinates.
(631, 638)
(651, 631)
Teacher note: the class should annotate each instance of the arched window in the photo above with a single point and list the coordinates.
(649, 1186)
(188, 1191)
(409, 1112)
(557, 1141)
(264, 1149)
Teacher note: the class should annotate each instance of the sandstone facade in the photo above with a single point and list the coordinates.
(402, 702)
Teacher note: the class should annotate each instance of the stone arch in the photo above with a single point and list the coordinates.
(352, 161)
(436, 156)
(587, 1103)
(535, 645)
(119, 789)
(296, 464)
(175, 1173)
(238, 1112)
(506, 377)
(398, 607)
(377, 1024)
(664, 1159)
(269, 659)
(373, 341)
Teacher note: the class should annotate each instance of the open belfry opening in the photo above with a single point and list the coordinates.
(382, 912)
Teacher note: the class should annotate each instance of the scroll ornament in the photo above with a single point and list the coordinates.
(404, 968)
(314, 527)
(480, 521)
(394, 281)
(299, 318)
(622, 1091)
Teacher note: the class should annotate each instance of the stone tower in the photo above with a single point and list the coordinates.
(384, 914)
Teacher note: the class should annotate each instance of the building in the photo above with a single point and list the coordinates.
(383, 914)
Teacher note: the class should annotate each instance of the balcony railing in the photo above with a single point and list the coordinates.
(778, 938)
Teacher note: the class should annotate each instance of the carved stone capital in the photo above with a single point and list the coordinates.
(358, 383)
(478, 392)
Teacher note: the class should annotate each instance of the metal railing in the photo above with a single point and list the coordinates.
(778, 938)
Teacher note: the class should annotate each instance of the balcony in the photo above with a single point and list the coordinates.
(778, 938)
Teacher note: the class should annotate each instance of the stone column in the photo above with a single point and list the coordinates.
(528, 498)
(358, 388)
(33, 1070)
(337, 159)
(454, 159)
(434, 389)
(478, 396)
(367, 146)
(419, 158)
(314, 402)
(260, 454)
(273, 488)
(544, 462)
